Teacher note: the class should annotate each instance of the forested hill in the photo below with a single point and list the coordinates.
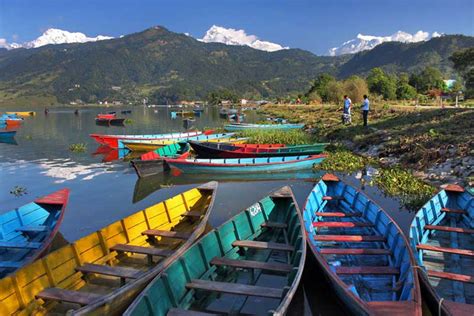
(163, 65)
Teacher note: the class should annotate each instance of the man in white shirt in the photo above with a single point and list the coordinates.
(346, 114)
(365, 109)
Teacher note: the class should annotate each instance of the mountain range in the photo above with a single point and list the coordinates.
(165, 66)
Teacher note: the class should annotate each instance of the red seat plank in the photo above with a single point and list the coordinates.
(450, 229)
(367, 270)
(337, 214)
(462, 252)
(453, 188)
(348, 238)
(354, 251)
(331, 198)
(451, 276)
(448, 210)
(341, 224)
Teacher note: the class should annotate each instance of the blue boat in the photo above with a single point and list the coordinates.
(361, 250)
(26, 233)
(246, 126)
(245, 165)
(7, 134)
(442, 238)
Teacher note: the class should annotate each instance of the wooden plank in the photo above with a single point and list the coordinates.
(274, 225)
(348, 238)
(166, 233)
(354, 251)
(33, 228)
(450, 229)
(451, 276)
(461, 252)
(142, 250)
(332, 198)
(367, 270)
(234, 288)
(20, 244)
(121, 272)
(186, 312)
(249, 264)
(62, 295)
(453, 188)
(192, 214)
(448, 210)
(341, 224)
(338, 214)
(10, 264)
(262, 245)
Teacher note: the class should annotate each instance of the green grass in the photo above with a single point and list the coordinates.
(292, 137)
(342, 160)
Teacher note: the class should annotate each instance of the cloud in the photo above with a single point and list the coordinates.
(366, 42)
(229, 36)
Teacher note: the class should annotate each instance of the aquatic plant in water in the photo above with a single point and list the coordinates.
(292, 137)
(18, 191)
(78, 148)
(342, 160)
(128, 121)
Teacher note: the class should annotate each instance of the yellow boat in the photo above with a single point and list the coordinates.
(101, 273)
(30, 113)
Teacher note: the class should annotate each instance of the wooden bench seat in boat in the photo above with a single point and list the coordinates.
(450, 229)
(32, 229)
(342, 224)
(461, 252)
(192, 214)
(166, 233)
(333, 198)
(348, 238)
(274, 225)
(20, 244)
(338, 214)
(448, 210)
(451, 276)
(367, 270)
(354, 251)
(62, 295)
(150, 252)
(249, 264)
(186, 312)
(262, 245)
(121, 272)
(234, 288)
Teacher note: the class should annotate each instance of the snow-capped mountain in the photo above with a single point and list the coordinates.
(229, 36)
(55, 36)
(366, 42)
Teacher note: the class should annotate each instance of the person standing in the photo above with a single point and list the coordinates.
(365, 109)
(346, 115)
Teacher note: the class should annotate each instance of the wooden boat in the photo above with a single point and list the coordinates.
(152, 162)
(237, 165)
(24, 113)
(7, 134)
(233, 127)
(252, 264)
(109, 121)
(104, 271)
(106, 116)
(27, 232)
(442, 238)
(126, 111)
(113, 140)
(150, 145)
(361, 250)
(184, 113)
(219, 150)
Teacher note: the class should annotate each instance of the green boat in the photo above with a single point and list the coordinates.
(251, 264)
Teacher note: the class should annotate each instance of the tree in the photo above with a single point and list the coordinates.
(320, 87)
(215, 97)
(463, 61)
(382, 84)
(430, 78)
(404, 90)
(335, 91)
(355, 87)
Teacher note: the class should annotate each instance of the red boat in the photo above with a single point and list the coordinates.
(13, 122)
(105, 116)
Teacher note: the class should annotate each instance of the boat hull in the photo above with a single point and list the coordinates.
(25, 114)
(113, 140)
(7, 134)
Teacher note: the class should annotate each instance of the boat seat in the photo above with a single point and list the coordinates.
(367, 270)
(192, 214)
(348, 238)
(338, 214)
(11, 264)
(354, 251)
(234, 288)
(451, 276)
(342, 224)
(461, 252)
(448, 210)
(166, 233)
(333, 198)
(62, 295)
(20, 244)
(186, 312)
(32, 229)
(450, 229)
(121, 272)
(262, 245)
(274, 225)
(148, 251)
(249, 264)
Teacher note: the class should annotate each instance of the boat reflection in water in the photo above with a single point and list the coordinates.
(146, 186)
(110, 154)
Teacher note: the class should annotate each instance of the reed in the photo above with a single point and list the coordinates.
(292, 137)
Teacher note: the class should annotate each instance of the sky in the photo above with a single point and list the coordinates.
(315, 25)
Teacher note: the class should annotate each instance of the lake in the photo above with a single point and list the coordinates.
(104, 190)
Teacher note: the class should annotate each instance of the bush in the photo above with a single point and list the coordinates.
(292, 137)
(355, 87)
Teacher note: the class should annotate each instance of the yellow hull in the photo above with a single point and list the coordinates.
(63, 269)
(155, 144)
(31, 113)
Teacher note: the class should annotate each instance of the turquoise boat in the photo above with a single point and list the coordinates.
(362, 252)
(26, 233)
(252, 264)
(442, 238)
(245, 165)
(234, 127)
